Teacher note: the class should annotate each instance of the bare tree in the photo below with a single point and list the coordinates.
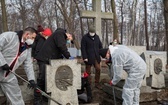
(105, 26)
(146, 26)
(4, 17)
(20, 5)
(85, 5)
(122, 20)
(81, 25)
(132, 23)
(65, 13)
(165, 2)
(68, 15)
(36, 5)
(115, 21)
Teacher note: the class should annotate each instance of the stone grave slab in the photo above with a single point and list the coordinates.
(157, 68)
(147, 94)
(63, 79)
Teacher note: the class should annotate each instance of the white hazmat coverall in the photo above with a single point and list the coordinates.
(9, 47)
(126, 59)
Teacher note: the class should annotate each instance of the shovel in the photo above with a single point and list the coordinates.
(109, 66)
(42, 92)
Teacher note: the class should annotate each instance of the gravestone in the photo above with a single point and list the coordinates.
(97, 14)
(156, 62)
(63, 79)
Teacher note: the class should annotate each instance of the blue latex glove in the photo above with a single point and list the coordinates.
(71, 58)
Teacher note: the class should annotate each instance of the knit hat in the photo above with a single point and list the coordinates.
(47, 32)
(92, 29)
(103, 52)
(40, 28)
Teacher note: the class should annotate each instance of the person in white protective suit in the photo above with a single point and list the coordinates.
(126, 59)
(14, 51)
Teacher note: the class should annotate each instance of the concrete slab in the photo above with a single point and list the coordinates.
(147, 93)
(157, 62)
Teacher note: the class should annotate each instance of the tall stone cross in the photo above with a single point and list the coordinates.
(97, 14)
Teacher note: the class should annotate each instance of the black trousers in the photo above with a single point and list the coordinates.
(41, 76)
(40, 80)
(85, 87)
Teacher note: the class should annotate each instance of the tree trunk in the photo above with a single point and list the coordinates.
(81, 25)
(103, 33)
(37, 14)
(165, 2)
(106, 25)
(138, 39)
(134, 34)
(115, 22)
(132, 22)
(56, 14)
(85, 4)
(4, 17)
(122, 20)
(146, 26)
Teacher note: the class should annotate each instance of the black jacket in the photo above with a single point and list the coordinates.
(54, 47)
(90, 46)
(37, 45)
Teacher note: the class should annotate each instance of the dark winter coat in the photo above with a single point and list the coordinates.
(37, 45)
(90, 46)
(54, 47)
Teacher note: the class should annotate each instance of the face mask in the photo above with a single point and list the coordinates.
(68, 41)
(29, 41)
(92, 34)
(46, 37)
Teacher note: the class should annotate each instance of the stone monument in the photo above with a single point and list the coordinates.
(156, 64)
(97, 14)
(63, 78)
